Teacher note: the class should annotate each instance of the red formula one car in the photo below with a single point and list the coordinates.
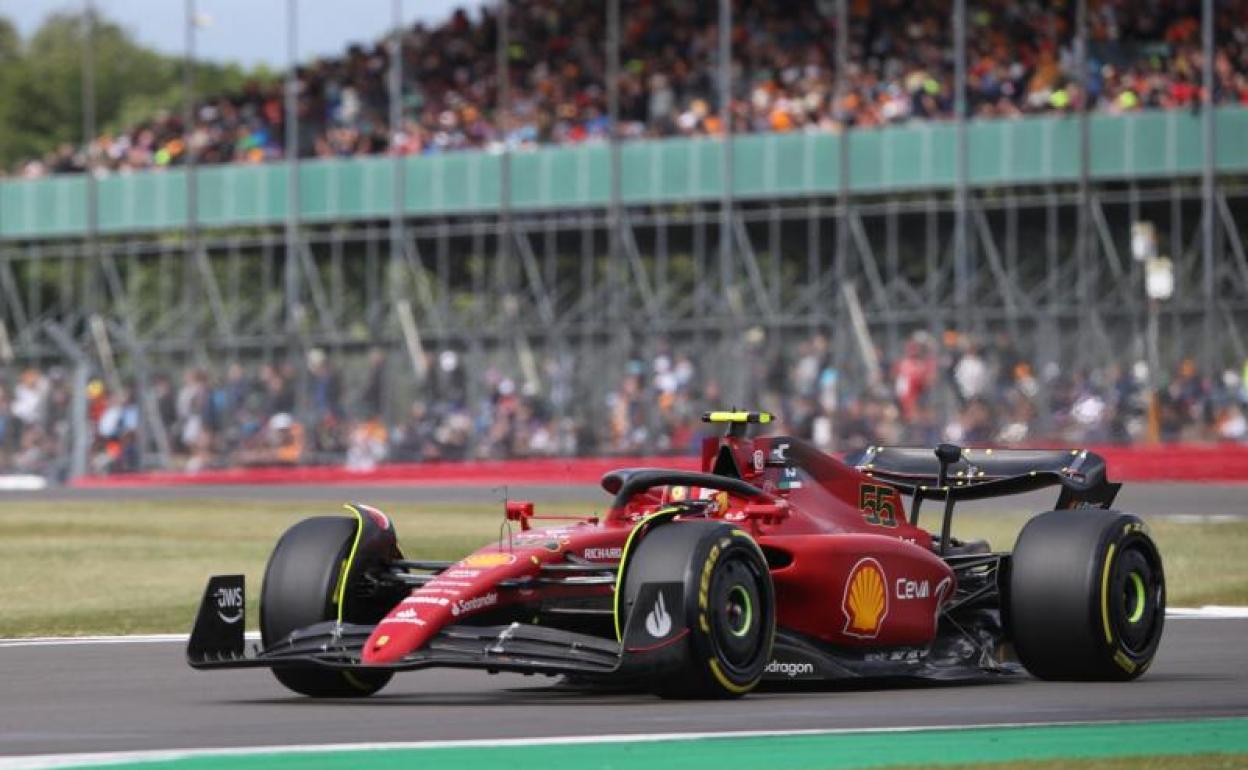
(775, 562)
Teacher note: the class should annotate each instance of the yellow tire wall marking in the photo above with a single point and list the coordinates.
(1109, 562)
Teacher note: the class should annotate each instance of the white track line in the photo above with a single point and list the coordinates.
(1207, 612)
(74, 641)
(50, 761)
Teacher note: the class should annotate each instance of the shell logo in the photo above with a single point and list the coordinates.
(488, 559)
(866, 599)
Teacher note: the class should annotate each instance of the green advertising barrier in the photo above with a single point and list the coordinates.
(912, 157)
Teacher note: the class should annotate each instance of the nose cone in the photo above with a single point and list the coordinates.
(408, 627)
(468, 588)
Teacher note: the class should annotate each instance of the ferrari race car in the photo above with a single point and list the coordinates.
(775, 562)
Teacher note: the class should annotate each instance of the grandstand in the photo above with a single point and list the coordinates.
(808, 213)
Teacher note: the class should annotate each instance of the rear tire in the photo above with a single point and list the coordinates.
(1087, 596)
(299, 587)
(731, 625)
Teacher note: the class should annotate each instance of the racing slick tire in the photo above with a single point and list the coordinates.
(299, 590)
(729, 604)
(1087, 596)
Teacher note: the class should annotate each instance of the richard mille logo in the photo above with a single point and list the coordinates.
(658, 622)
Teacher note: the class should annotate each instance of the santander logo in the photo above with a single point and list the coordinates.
(469, 605)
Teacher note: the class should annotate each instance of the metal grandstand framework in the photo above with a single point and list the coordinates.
(1049, 264)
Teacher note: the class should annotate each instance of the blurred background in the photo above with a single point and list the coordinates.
(310, 233)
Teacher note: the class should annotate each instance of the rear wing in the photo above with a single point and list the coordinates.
(976, 474)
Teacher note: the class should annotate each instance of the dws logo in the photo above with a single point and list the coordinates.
(230, 604)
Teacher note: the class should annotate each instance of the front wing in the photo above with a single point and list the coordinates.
(218, 641)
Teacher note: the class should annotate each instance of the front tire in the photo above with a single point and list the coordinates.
(729, 604)
(1087, 596)
(299, 590)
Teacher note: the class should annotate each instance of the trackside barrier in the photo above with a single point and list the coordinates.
(1223, 462)
(555, 471)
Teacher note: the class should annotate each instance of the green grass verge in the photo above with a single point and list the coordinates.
(1214, 743)
(86, 567)
(1163, 762)
(1204, 562)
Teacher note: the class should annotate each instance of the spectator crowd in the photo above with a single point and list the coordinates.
(1142, 54)
(959, 389)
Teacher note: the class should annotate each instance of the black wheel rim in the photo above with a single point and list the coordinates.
(736, 609)
(1136, 597)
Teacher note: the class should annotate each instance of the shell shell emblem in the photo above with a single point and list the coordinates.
(866, 599)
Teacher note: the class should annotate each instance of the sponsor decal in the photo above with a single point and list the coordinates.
(476, 603)
(789, 668)
(440, 601)
(408, 617)
(865, 603)
(551, 540)
(658, 621)
(678, 494)
(790, 479)
(760, 460)
(912, 589)
(441, 583)
(779, 453)
(489, 559)
(438, 591)
(461, 573)
(382, 641)
(230, 604)
(602, 554)
(896, 656)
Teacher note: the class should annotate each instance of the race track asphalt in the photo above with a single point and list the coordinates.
(113, 697)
